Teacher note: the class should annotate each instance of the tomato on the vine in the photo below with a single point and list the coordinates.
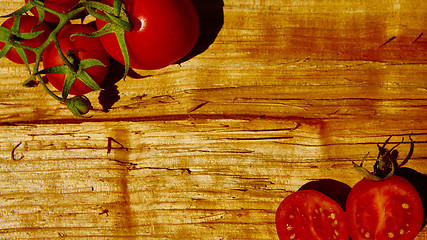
(62, 6)
(311, 215)
(387, 209)
(82, 47)
(163, 32)
(26, 24)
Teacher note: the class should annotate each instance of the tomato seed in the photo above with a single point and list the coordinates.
(390, 235)
(367, 235)
(335, 223)
(405, 205)
(333, 215)
(292, 236)
(337, 233)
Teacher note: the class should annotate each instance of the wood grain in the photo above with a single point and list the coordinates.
(278, 94)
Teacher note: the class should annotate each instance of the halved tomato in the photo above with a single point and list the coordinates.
(388, 209)
(311, 215)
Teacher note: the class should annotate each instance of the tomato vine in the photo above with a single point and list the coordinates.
(117, 23)
(386, 163)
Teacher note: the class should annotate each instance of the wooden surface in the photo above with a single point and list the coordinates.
(279, 94)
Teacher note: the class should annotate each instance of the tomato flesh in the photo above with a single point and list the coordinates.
(163, 32)
(389, 209)
(27, 24)
(310, 215)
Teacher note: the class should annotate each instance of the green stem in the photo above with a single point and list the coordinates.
(53, 37)
(60, 99)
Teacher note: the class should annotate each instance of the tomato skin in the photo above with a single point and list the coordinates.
(83, 48)
(27, 24)
(311, 215)
(62, 6)
(163, 32)
(388, 209)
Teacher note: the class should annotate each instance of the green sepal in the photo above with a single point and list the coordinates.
(120, 35)
(411, 151)
(116, 12)
(27, 35)
(84, 76)
(12, 37)
(71, 75)
(5, 49)
(7, 36)
(42, 14)
(42, 9)
(121, 39)
(365, 172)
(386, 164)
(68, 82)
(368, 175)
(123, 24)
(23, 56)
(118, 7)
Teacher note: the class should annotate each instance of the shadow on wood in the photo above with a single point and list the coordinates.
(336, 190)
(211, 18)
(109, 94)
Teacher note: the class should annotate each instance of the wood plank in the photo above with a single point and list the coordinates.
(175, 178)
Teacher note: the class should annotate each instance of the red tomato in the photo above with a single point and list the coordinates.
(27, 24)
(310, 215)
(164, 31)
(388, 209)
(62, 6)
(83, 48)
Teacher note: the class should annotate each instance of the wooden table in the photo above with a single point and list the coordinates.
(280, 94)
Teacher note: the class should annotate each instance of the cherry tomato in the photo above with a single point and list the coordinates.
(388, 209)
(163, 32)
(83, 48)
(27, 24)
(310, 215)
(62, 6)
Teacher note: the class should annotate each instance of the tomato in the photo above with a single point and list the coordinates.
(83, 48)
(163, 32)
(27, 24)
(388, 209)
(310, 215)
(62, 6)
